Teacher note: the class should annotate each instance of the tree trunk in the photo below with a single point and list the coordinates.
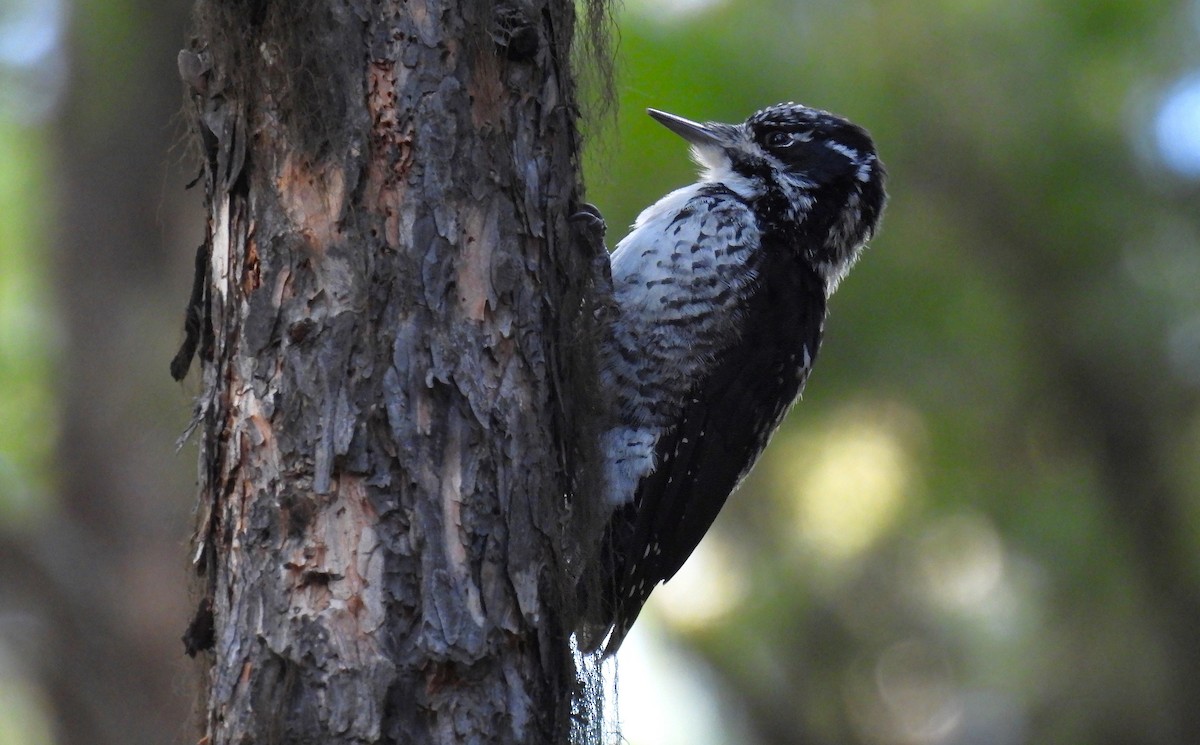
(383, 497)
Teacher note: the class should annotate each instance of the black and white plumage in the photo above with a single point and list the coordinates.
(721, 290)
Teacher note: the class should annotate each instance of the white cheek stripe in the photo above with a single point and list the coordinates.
(863, 173)
(864, 169)
(849, 152)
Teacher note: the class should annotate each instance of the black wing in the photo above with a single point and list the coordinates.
(726, 423)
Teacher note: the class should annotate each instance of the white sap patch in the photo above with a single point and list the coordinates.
(219, 259)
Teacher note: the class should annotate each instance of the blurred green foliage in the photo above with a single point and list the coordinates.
(28, 412)
(980, 524)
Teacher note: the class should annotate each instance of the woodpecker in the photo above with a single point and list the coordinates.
(720, 292)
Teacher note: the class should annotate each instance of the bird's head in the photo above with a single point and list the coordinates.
(812, 177)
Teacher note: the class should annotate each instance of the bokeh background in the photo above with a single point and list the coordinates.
(980, 527)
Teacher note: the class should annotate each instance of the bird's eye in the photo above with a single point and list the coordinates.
(779, 139)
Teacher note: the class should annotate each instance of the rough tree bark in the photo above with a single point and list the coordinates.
(386, 283)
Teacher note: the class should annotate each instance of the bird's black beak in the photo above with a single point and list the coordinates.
(694, 132)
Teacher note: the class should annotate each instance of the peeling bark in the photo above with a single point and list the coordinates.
(384, 487)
